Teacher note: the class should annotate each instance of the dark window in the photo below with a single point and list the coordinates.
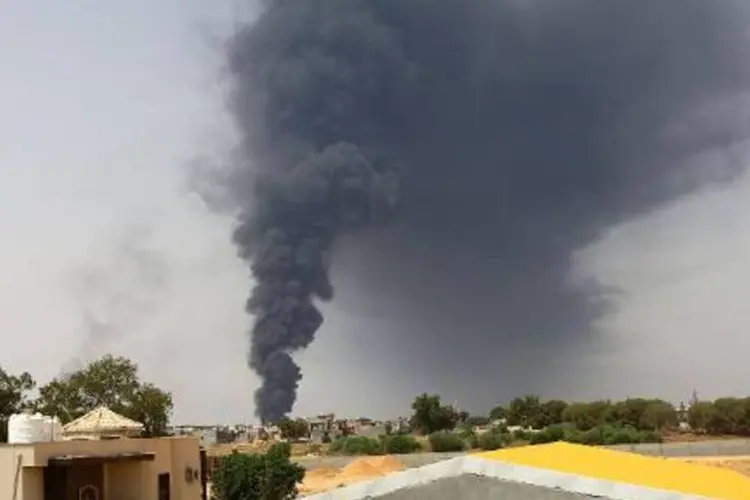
(55, 482)
(164, 490)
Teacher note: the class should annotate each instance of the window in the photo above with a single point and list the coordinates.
(164, 486)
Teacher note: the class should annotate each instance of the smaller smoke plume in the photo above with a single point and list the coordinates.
(119, 289)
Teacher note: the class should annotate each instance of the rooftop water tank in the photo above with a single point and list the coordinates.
(55, 429)
(26, 428)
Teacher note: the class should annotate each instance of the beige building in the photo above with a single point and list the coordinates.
(110, 469)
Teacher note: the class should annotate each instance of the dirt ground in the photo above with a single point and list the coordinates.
(739, 464)
(361, 469)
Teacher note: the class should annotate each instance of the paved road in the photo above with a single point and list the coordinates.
(719, 447)
(701, 448)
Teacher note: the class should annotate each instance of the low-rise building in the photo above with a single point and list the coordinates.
(110, 469)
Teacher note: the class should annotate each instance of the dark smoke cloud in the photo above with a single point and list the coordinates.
(494, 138)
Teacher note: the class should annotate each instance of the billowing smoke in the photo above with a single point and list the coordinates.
(492, 138)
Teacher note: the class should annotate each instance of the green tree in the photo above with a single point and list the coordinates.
(699, 415)
(293, 430)
(430, 416)
(476, 420)
(14, 397)
(630, 411)
(525, 411)
(658, 415)
(586, 416)
(151, 406)
(261, 476)
(728, 417)
(498, 413)
(551, 413)
(112, 382)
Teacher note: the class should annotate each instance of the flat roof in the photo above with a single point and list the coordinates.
(484, 477)
(476, 487)
(72, 460)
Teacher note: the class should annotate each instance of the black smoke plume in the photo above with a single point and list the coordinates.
(495, 138)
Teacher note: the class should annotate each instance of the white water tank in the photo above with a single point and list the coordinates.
(56, 429)
(25, 428)
(28, 428)
(52, 428)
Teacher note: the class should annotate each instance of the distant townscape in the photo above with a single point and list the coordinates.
(320, 429)
(104, 411)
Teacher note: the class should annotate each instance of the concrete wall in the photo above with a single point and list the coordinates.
(185, 454)
(126, 481)
(122, 480)
(11, 456)
(33, 483)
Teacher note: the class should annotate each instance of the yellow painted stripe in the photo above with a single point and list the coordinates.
(610, 465)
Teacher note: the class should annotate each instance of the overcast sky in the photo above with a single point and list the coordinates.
(103, 105)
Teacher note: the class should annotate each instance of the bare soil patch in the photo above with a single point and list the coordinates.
(361, 469)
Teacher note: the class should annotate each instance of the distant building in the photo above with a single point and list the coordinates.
(321, 427)
(207, 436)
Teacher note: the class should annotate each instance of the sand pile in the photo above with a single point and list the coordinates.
(361, 469)
(371, 467)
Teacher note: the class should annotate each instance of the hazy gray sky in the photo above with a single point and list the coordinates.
(102, 107)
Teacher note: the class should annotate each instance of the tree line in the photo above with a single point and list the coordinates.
(110, 381)
(722, 416)
(593, 422)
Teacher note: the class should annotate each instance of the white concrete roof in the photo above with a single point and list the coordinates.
(504, 471)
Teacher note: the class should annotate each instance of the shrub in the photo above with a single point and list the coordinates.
(593, 436)
(621, 435)
(573, 435)
(261, 476)
(467, 433)
(551, 434)
(356, 445)
(492, 440)
(472, 441)
(400, 444)
(522, 435)
(610, 435)
(445, 441)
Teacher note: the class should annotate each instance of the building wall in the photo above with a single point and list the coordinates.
(126, 480)
(185, 454)
(33, 483)
(10, 457)
(123, 480)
